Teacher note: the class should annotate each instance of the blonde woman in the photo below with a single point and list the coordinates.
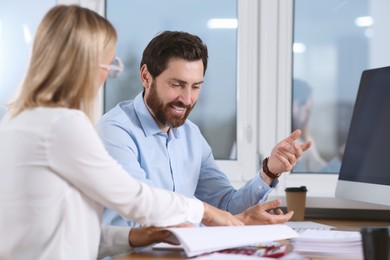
(56, 175)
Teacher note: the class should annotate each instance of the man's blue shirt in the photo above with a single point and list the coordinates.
(180, 161)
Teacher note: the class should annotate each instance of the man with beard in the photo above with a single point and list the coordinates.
(153, 140)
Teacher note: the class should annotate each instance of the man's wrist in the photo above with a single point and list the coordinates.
(267, 172)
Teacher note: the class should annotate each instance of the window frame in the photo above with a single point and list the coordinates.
(247, 164)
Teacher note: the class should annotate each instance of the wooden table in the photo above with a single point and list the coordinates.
(345, 225)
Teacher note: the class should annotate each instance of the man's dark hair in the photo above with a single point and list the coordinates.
(173, 44)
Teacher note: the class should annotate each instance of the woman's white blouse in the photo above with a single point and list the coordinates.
(55, 178)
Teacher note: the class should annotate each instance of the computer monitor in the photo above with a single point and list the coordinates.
(365, 168)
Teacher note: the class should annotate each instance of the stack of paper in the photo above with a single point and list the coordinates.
(200, 240)
(329, 243)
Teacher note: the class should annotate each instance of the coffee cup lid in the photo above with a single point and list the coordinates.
(296, 189)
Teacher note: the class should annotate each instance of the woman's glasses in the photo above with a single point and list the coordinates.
(115, 68)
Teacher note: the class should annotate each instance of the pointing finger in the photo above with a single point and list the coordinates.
(293, 136)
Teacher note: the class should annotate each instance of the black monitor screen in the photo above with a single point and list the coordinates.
(367, 152)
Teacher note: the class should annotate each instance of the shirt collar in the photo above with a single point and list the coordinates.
(148, 124)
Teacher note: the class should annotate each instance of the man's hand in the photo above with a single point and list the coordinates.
(266, 213)
(286, 153)
(216, 217)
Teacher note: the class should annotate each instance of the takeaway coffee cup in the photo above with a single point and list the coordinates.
(296, 201)
(376, 243)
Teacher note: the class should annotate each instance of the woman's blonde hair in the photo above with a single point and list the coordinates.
(69, 46)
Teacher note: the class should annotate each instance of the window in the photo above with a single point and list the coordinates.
(325, 44)
(333, 43)
(16, 35)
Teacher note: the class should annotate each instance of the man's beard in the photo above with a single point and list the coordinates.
(162, 111)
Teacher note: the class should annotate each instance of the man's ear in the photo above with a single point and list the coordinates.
(146, 78)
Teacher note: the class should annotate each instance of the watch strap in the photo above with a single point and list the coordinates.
(268, 172)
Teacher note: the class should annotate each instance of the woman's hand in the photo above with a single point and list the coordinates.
(216, 217)
(145, 236)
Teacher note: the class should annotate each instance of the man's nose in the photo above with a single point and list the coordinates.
(186, 96)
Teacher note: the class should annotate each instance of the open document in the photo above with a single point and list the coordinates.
(199, 240)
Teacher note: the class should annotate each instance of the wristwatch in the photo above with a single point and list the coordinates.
(268, 172)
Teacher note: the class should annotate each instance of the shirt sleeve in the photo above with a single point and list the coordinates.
(77, 154)
(215, 188)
